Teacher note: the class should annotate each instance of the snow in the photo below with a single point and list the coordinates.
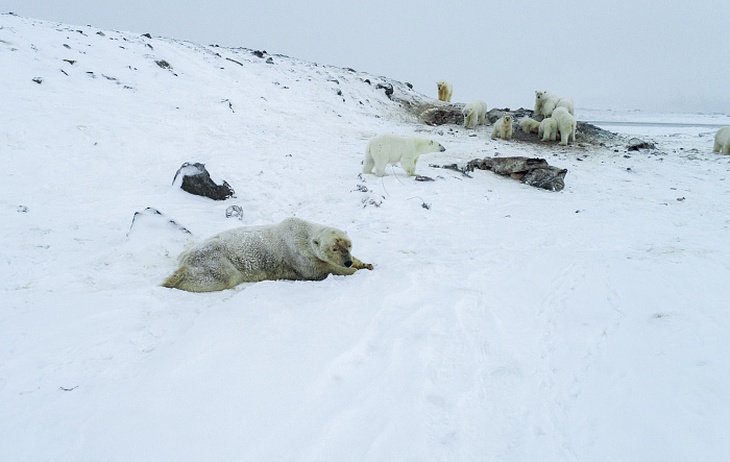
(501, 322)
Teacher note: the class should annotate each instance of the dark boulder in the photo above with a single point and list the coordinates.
(196, 180)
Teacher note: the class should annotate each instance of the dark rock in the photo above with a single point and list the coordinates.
(196, 180)
(152, 218)
(635, 144)
(530, 171)
(442, 114)
(387, 87)
(163, 64)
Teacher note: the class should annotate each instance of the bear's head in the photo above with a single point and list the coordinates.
(541, 95)
(435, 146)
(333, 246)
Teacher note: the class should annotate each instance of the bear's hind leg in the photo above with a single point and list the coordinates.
(368, 164)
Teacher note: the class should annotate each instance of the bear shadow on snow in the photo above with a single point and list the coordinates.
(196, 180)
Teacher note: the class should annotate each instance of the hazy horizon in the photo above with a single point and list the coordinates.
(605, 55)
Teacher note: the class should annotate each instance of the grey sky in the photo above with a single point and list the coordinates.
(652, 55)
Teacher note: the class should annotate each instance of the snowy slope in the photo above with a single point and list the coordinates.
(501, 322)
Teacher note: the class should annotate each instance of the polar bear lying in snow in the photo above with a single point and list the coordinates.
(293, 249)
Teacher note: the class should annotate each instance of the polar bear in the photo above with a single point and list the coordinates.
(566, 125)
(546, 102)
(294, 249)
(567, 103)
(391, 149)
(528, 125)
(722, 141)
(474, 113)
(502, 128)
(548, 130)
(444, 90)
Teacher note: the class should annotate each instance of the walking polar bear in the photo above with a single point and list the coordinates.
(474, 113)
(722, 141)
(391, 149)
(444, 90)
(566, 125)
(502, 128)
(546, 102)
(294, 249)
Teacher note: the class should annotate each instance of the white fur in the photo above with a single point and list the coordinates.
(722, 141)
(502, 128)
(444, 90)
(566, 125)
(567, 103)
(293, 249)
(474, 113)
(548, 130)
(529, 125)
(391, 149)
(546, 102)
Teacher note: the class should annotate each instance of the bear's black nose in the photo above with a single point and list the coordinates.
(348, 263)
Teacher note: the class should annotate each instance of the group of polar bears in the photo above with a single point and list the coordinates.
(558, 116)
(389, 149)
(297, 249)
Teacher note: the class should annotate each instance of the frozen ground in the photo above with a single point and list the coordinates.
(501, 322)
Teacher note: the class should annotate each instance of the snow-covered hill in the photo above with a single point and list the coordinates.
(501, 322)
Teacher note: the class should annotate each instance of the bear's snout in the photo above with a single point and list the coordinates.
(443, 149)
(348, 263)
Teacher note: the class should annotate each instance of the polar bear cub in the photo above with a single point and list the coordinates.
(294, 249)
(444, 90)
(474, 113)
(503, 128)
(566, 125)
(391, 149)
(548, 129)
(722, 141)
